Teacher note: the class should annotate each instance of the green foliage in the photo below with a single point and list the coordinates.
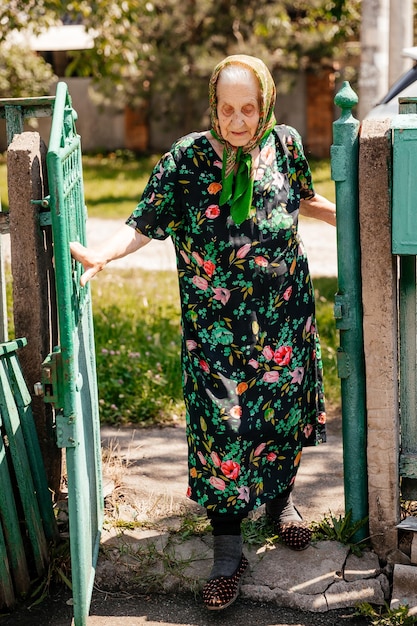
(384, 616)
(259, 531)
(341, 529)
(34, 14)
(167, 47)
(325, 289)
(193, 525)
(114, 182)
(23, 73)
(137, 316)
(170, 48)
(137, 334)
(58, 573)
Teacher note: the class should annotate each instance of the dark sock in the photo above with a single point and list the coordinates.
(282, 509)
(227, 552)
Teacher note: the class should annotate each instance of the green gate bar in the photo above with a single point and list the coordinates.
(348, 307)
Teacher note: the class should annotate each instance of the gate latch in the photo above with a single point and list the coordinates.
(51, 379)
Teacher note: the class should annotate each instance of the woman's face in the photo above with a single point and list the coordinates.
(238, 109)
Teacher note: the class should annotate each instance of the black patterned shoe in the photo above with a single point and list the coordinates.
(295, 535)
(221, 592)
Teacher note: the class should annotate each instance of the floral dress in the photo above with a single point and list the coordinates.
(251, 359)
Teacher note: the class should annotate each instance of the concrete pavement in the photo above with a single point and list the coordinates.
(148, 513)
(147, 470)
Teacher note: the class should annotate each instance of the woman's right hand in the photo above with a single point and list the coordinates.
(89, 259)
(124, 241)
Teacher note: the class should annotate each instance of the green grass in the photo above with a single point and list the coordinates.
(114, 182)
(136, 314)
(137, 334)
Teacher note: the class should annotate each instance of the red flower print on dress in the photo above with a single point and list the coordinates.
(230, 469)
(254, 363)
(287, 293)
(217, 483)
(267, 155)
(188, 494)
(191, 344)
(216, 459)
(200, 282)
(209, 268)
(242, 252)
(271, 456)
(261, 261)
(212, 211)
(271, 377)
(282, 356)
(204, 365)
(221, 294)
(321, 418)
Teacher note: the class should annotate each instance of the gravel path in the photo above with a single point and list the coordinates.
(319, 239)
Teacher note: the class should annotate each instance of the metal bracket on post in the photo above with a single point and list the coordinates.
(45, 215)
(16, 110)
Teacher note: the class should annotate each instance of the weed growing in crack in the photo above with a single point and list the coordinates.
(384, 616)
(341, 529)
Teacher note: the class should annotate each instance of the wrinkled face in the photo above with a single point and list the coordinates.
(238, 109)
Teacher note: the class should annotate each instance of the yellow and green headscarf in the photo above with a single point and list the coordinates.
(239, 188)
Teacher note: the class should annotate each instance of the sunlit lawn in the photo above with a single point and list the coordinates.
(137, 316)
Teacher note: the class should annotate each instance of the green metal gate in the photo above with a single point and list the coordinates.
(404, 244)
(69, 372)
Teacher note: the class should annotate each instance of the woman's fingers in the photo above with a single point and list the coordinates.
(81, 254)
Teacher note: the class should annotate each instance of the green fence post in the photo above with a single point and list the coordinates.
(403, 228)
(348, 307)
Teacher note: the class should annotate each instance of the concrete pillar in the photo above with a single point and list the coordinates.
(373, 75)
(400, 37)
(33, 281)
(379, 294)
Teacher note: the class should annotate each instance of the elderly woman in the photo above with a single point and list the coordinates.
(229, 198)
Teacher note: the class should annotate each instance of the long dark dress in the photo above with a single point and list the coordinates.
(250, 352)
